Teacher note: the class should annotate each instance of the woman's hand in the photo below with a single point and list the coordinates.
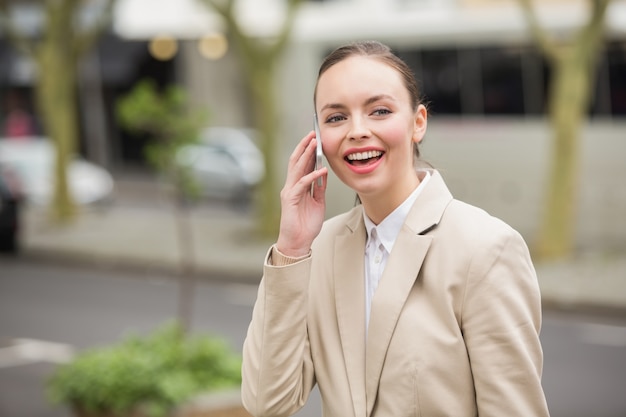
(302, 210)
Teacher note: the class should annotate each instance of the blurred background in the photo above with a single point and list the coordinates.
(143, 144)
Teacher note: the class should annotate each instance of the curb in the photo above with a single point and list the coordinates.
(138, 268)
(236, 274)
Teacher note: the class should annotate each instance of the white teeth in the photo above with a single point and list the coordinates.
(359, 156)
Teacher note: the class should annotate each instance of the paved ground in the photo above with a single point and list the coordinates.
(139, 230)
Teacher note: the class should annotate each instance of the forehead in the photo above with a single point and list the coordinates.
(359, 75)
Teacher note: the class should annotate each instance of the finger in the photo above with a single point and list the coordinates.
(301, 148)
(302, 163)
(294, 169)
(296, 188)
(319, 191)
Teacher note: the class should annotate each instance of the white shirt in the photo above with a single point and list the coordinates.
(380, 242)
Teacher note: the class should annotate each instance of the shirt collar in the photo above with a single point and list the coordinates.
(388, 229)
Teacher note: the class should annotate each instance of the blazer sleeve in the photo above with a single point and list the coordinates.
(277, 370)
(501, 320)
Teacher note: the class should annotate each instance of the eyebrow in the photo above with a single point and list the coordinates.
(369, 101)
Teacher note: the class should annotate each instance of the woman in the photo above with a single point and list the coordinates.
(410, 304)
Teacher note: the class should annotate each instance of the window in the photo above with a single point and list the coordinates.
(502, 81)
(507, 80)
(440, 80)
(616, 61)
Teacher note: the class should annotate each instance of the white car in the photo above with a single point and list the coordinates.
(33, 158)
(225, 163)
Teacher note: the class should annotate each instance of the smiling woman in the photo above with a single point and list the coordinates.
(411, 303)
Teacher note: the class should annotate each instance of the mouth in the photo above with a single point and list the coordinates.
(363, 158)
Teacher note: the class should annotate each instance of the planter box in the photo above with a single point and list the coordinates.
(219, 404)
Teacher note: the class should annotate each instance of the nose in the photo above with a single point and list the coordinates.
(358, 129)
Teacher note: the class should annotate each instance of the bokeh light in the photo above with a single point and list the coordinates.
(163, 47)
(213, 46)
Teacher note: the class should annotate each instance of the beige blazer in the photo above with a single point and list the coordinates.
(453, 330)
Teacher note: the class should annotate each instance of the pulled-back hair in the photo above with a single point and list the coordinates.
(379, 51)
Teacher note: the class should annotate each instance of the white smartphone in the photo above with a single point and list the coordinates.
(318, 152)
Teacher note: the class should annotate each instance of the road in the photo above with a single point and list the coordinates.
(77, 307)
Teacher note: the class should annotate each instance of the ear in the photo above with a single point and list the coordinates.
(420, 123)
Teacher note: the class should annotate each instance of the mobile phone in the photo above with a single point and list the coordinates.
(318, 152)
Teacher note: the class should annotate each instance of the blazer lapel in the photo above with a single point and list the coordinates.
(395, 285)
(350, 305)
(401, 271)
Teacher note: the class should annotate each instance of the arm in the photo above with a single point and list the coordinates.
(501, 323)
(277, 369)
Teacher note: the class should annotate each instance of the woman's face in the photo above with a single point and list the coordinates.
(368, 128)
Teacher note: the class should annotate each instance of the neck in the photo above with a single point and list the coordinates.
(377, 207)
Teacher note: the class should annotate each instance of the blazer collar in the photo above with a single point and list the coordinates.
(425, 213)
(365, 358)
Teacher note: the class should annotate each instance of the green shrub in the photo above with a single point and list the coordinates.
(153, 374)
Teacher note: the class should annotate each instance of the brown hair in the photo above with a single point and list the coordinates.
(384, 54)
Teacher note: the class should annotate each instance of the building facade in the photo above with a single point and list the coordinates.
(484, 81)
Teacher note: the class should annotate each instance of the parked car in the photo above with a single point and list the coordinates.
(10, 205)
(225, 163)
(32, 159)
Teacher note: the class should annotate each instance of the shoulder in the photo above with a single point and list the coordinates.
(469, 221)
(475, 233)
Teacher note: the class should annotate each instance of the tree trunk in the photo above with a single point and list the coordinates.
(259, 61)
(186, 271)
(574, 76)
(57, 103)
(574, 69)
(266, 120)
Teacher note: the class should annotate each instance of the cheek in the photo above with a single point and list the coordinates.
(333, 151)
(331, 143)
(398, 136)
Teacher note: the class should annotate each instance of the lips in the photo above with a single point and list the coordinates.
(363, 158)
(364, 161)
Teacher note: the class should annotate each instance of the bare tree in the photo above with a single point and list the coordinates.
(62, 40)
(259, 59)
(165, 115)
(573, 66)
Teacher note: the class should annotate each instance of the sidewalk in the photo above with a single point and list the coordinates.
(138, 231)
(146, 239)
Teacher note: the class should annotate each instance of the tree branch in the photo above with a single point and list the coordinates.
(249, 50)
(223, 8)
(545, 42)
(591, 34)
(284, 35)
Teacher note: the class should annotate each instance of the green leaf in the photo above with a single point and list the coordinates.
(154, 373)
(166, 117)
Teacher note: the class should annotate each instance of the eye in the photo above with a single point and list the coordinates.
(335, 118)
(381, 112)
